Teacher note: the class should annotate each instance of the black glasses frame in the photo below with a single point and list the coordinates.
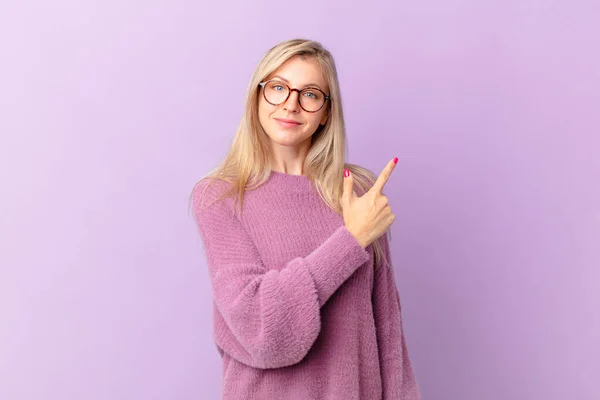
(290, 90)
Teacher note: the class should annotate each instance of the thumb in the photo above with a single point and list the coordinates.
(348, 183)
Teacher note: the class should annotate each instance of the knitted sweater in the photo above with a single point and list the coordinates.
(298, 311)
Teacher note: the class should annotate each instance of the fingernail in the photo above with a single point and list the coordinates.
(346, 172)
(395, 160)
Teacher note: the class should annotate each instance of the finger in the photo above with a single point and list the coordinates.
(384, 176)
(348, 183)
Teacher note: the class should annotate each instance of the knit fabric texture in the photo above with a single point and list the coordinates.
(299, 312)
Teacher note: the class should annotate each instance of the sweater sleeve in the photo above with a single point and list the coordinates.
(397, 375)
(268, 318)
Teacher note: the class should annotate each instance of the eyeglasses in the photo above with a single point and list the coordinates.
(310, 99)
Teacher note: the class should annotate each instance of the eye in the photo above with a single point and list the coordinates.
(277, 86)
(311, 95)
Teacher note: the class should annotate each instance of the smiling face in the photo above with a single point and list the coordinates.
(297, 73)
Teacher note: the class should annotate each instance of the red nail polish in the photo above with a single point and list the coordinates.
(346, 172)
(395, 160)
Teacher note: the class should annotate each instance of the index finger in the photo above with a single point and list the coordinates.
(384, 176)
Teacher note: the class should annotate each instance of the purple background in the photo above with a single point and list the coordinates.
(111, 110)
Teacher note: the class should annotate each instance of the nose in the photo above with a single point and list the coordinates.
(292, 104)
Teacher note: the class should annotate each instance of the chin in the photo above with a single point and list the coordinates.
(287, 141)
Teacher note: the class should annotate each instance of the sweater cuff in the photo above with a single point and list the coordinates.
(332, 263)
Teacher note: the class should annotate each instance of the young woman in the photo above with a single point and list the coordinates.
(305, 302)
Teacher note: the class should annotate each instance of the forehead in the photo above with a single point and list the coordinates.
(301, 72)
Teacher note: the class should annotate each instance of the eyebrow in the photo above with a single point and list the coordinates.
(307, 85)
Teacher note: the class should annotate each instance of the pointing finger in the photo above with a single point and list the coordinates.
(384, 176)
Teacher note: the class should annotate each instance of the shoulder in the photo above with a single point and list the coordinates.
(208, 192)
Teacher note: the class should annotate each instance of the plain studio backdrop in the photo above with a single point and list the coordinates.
(110, 111)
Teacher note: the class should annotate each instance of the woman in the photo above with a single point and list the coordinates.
(305, 303)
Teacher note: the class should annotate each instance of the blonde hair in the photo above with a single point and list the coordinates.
(247, 165)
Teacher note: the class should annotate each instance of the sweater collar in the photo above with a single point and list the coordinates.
(290, 183)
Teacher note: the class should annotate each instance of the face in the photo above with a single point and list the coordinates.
(296, 73)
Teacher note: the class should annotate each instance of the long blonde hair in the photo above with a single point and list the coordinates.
(247, 165)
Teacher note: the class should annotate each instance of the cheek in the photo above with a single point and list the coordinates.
(265, 109)
(263, 114)
(315, 120)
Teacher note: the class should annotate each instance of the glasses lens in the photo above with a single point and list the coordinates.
(276, 92)
(311, 99)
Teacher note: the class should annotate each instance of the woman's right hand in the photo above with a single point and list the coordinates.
(368, 216)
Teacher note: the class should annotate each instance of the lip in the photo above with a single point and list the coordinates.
(287, 123)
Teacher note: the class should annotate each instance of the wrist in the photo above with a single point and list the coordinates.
(361, 241)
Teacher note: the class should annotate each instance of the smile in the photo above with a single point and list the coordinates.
(286, 124)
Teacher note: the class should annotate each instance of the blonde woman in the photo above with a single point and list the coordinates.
(305, 302)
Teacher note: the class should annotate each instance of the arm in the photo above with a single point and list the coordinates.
(272, 317)
(397, 375)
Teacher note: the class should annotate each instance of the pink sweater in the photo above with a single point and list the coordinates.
(298, 310)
